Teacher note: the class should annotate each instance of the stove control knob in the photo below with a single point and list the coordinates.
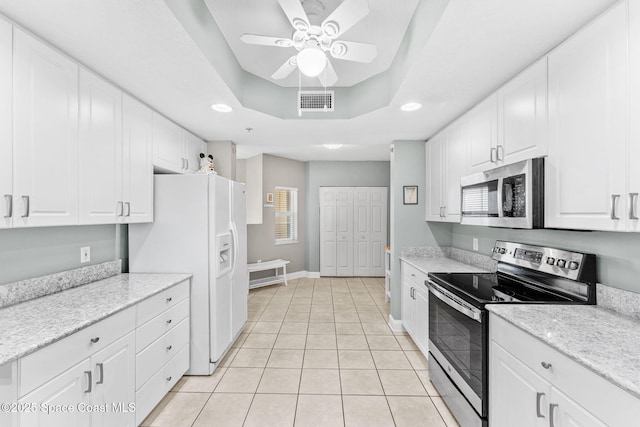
(573, 265)
(502, 251)
(561, 263)
(551, 260)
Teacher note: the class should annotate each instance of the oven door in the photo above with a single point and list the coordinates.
(458, 341)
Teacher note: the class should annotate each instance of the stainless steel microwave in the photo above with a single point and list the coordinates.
(509, 196)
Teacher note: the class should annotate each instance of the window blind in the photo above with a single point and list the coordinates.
(286, 212)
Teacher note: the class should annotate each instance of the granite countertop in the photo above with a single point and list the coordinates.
(603, 341)
(31, 325)
(441, 264)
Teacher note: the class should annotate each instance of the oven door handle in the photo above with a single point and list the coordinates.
(454, 302)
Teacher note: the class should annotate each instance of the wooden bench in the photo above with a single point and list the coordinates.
(268, 265)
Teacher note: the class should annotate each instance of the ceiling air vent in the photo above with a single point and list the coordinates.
(315, 100)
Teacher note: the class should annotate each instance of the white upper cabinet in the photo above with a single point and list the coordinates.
(633, 224)
(137, 165)
(100, 150)
(6, 139)
(167, 145)
(447, 160)
(482, 135)
(522, 116)
(45, 120)
(585, 171)
(192, 146)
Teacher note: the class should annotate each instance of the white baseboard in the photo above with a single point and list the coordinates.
(395, 325)
(303, 274)
(313, 274)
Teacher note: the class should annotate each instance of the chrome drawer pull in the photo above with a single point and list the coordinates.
(546, 365)
(128, 206)
(101, 370)
(119, 209)
(551, 408)
(538, 399)
(614, 199)
(89, 381)
(27, 206)
(9, 201)
(95, 340)
(633, 198)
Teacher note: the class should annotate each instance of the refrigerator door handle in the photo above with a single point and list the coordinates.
(234, 240)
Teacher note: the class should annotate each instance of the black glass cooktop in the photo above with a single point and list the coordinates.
(480, 289)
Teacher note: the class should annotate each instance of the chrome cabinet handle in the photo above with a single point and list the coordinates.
(187, 160)
(95, 340)
(614, 199)
(633, 198)
(27, 206)
(8, 198)
(546, 365)
(101, 370)
(499, 149)
(184, 163)
(538, 399)
(119, 209)
(444, 211)
(89, 381)
(551, 408)
(491, 155)
(128, 206)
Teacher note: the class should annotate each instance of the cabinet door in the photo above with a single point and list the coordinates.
(100, 150)
(114, 383)
(408, 306)
(482, 136)
(167, 145)
(522, 115)
(137, 164)
(193, 146)
(70, 389)
(45, 120)
(361, 230)
(435, 177)
(455, 167)
(517, 395)
(634, 111)
(6, 139)
(421, 322)
(567, 413)
(585, 173)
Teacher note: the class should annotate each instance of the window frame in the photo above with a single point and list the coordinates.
(292, 239)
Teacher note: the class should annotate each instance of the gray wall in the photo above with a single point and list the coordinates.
(408, 227)
(335, 174)
(617, 254)
(31, 252)
(278, 171)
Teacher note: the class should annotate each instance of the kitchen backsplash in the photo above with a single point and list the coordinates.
(23, 290)
(619, 300)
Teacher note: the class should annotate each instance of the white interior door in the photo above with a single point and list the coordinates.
(328, 231)
(362, 230)
(378, 230)
(344, 231)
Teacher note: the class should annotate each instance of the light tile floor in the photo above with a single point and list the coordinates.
(314, 353)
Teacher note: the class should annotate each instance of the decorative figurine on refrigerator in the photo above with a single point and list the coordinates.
(206, 165)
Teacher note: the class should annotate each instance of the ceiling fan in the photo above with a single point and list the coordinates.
(314, 41)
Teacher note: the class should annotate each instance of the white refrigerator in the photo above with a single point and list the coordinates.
(200, 227)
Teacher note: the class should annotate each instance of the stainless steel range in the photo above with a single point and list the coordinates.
(458, 319)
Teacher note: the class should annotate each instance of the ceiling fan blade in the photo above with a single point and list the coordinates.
(353, 51)
(344, 17)
(266, 40)
(285, 69)
(295, 13)
(328, 77)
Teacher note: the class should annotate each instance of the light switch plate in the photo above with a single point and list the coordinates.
(85, 254)
(475, 243)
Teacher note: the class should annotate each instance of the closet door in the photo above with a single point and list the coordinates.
(378, 230)
(362, 229)
(328, 215)
(344, 231)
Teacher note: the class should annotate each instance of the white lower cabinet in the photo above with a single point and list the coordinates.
(532, 385)
(415, 305)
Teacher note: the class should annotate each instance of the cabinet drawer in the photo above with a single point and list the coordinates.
(41, 366)
(153, 391)
(151, 359)
(159, 325)
(573, 379)
(151, 307)
(409, 272)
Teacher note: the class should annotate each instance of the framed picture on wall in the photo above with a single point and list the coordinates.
(410, 195)
(269, 197)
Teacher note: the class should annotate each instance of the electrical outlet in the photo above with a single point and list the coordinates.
(85, 254)
(475, 243)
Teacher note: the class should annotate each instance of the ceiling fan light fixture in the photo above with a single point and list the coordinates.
(311, 61)
(411, 106)
(221, 108)
(332, 146)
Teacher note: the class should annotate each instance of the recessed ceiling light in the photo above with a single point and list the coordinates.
(332, 146)
(411, 106)
(221, 108)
